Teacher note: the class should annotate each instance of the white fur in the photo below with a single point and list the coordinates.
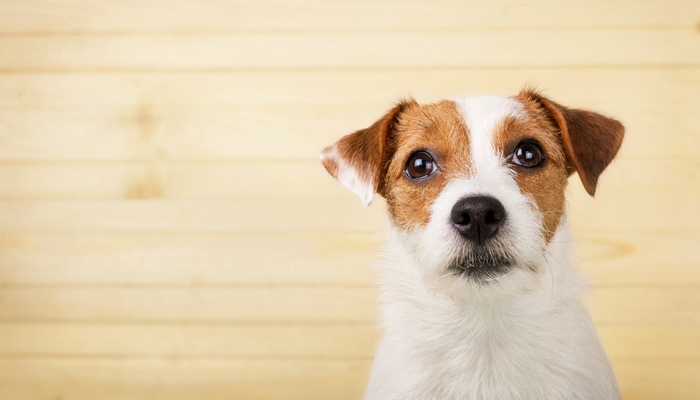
(349, 178)
(525, 335)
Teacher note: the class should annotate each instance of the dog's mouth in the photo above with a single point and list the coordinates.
(481, 267)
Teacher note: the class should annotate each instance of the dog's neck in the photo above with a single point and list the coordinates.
(411, 308)
(525, 336)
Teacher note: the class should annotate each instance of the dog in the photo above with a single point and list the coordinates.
(479, 298)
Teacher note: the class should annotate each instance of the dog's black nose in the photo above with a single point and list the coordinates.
(478, 218)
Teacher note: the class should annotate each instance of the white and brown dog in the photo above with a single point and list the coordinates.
(479, 296)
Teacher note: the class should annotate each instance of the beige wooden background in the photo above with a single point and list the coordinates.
(166, 231)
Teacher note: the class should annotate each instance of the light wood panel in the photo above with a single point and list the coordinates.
(27, 17)
(199, 259)
(253, 304)
(175, 378)
(192, 341)
(660, 378)
(526, 48)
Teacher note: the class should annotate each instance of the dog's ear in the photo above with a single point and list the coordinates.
(359, 160)
(590, 140)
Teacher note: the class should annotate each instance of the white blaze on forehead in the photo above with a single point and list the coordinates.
(481, 115)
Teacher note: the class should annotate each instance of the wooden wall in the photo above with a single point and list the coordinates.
(166, 231)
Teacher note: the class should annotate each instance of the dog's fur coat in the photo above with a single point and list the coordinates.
(476, 332)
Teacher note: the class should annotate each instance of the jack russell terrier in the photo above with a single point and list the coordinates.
(479, 297)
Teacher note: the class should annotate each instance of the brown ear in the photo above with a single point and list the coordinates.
(591, 140)
(357, 160)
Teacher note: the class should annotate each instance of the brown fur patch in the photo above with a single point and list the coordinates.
(366, 150)
(544, 185)
(590, 140)
(439, 130)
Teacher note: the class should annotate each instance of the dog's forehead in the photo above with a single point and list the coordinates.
(479, 116)
(482, 115)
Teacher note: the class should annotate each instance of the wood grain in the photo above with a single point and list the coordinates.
(173, 378)
(525, 49)
(184, 16)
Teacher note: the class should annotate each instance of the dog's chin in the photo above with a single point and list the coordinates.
(481, 268)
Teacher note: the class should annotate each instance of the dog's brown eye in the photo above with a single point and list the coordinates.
(420, 165)
(528, 154)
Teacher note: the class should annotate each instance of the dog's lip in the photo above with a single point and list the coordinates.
(469, 263)
(481, 268)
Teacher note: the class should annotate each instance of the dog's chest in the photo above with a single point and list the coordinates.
(505, 351)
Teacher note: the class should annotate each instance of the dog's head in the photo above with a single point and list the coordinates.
(475, 186)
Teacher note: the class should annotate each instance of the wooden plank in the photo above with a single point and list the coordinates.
(171, 180)
(324, 341)
(607, 257)
(318, 341)
(176, 379)
(638, 258)
(203, 117)
(661, 378)
(650, 342)
(183, 16)
(347, 50)
(651, 305)
(263, 304)
(213, 216)
(199, 259)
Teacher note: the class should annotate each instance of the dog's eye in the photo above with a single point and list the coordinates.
(528, 154)
(420, 165)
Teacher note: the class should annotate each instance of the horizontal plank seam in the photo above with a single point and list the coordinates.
(176, 357)
(288, 322)
(270, 31)
(170, 324)
(160, 70)
(139, 286)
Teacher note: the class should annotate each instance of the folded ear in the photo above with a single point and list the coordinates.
(590, 140)
(358, 160)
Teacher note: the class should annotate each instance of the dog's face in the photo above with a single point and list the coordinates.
(475, 187)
